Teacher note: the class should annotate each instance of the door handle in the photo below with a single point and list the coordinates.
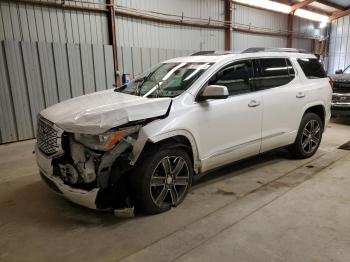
(300, 95)
(253, 103)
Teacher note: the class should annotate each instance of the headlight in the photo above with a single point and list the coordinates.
(105, 141)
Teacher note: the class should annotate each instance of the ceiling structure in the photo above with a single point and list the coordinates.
(329, 7)
(332, 8)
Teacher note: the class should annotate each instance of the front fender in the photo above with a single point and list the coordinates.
(143, 138)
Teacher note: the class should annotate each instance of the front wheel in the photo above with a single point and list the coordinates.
(162, 180)
(309, 136)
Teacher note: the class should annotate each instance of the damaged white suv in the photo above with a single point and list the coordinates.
(141, 144)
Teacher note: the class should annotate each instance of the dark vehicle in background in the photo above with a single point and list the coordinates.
(341, 93)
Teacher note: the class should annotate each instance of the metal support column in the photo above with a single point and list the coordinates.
(228, 26)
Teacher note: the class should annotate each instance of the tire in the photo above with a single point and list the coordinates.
(309, 136)
(162, 179)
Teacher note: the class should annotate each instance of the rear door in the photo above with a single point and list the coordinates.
(282, 98)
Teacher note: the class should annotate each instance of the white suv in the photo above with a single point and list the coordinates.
(141, 144)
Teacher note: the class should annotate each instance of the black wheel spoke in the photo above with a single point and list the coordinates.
(160, 199)
(174, 195)
(166, 165)
(181, 181)
(178, 167)
(158, 181)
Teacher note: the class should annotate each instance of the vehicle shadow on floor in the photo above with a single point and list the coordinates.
(33, 202)
(239, 167)
(341, 120)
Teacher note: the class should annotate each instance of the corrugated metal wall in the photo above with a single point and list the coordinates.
(133, 32)
(339, 45)
(272, 22)
(25, 22)
(135, 60)
(34, 76)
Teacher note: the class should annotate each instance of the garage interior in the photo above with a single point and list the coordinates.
(266, 208)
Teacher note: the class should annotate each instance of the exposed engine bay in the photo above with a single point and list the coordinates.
(85, 168)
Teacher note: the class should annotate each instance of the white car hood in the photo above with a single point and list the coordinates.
(98, 112)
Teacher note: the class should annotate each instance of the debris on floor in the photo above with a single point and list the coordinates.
(127, 212)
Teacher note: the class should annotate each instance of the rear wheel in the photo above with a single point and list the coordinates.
(309, 136)
(162, 180)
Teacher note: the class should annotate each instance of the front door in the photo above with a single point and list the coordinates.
(230, 129)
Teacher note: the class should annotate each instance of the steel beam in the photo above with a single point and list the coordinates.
(301, 5)
(113, 38)
(339, 14)
(228, 30)
(290, 30)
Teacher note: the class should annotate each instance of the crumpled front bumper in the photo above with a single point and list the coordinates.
(78, 196)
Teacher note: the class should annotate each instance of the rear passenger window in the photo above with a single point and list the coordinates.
(236, 77)
(312, 68)
(272, 72)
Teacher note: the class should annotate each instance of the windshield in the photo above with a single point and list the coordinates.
(167, 80)
(347, 71)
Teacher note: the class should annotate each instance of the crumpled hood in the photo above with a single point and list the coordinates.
(98, 112)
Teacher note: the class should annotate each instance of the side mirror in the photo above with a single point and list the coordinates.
(339, 72)
(214, 92)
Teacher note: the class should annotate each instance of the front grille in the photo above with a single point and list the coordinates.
(47, 137)
(341, 87)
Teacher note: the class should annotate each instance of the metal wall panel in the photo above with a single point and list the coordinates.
(339, 45)
(36, 75)
(270, 21)
(75, 70)
(243, 15)
(139, 33)
(18, 89)
(302, 44)
(87, 68)
(8, 128)
(25, 22)
(133, 32)
(243, 41)
(109, 66)
(33, 79)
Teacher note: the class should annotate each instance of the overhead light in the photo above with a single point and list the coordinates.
(323, 24)
(266, 4)
(311, 15)
(283, 8)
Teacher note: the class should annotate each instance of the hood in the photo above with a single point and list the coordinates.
(98, 112)
(340, 77)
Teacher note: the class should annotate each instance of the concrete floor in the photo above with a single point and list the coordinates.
(269, 208)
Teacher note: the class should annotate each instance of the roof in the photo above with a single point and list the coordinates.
(219, 58)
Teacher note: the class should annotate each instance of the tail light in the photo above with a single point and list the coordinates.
(331, 82)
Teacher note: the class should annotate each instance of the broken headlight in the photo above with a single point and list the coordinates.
(105, 141)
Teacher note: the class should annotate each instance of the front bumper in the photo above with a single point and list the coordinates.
(78, 196)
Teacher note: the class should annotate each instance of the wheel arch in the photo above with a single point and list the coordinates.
(178, 138)
(318, 109)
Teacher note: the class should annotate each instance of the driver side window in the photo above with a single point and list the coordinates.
(237, 77)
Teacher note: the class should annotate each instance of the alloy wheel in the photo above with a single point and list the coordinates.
(311, 136)
(169, 181)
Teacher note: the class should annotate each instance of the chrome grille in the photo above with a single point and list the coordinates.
(47, 137)
(341, 87)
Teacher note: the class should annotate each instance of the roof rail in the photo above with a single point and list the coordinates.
(212, 52)
(266, 49)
